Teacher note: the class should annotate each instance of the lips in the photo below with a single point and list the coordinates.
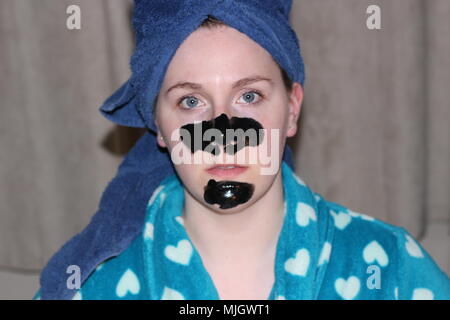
(225, 170)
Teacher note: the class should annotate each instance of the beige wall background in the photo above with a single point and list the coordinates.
(374, 127)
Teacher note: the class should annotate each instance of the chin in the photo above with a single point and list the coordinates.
(235, 210)
(200, 176)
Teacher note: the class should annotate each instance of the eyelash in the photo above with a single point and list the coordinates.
(261, 95)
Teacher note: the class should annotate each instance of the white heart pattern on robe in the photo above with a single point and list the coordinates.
(304, 213)
(299, 264)
(422, 294)
(128, 283)
(325, 254)
(375, 252)
(347, 289)
(413, 248)
(341, 220)
(78, 296)
(163, 197)
(360, 215)
(317, 197)
(299, 180)
(148, 233)
(181, 253)
(180, 220)
(154, 195)
(171, 294)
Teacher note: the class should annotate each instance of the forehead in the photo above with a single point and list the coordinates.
(219, 52)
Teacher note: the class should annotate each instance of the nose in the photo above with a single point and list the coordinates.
(218, 111)
(222, 105)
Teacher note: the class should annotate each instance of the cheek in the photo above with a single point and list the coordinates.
(170, 132)
(192, 178)
(275, 117)
(168, 121)
(275, 135)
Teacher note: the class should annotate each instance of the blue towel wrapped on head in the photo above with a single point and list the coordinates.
(109, 250)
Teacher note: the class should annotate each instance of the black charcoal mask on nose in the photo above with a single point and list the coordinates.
(227, 194)
(232, 140)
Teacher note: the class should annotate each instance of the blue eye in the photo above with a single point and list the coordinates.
(251, 97)
(191, 102)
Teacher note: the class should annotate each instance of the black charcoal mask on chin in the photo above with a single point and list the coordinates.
(227, 194)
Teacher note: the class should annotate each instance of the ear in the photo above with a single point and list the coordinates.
(159, 137)
(295, 104)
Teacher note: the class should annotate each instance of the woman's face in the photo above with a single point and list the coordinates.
(221, 70)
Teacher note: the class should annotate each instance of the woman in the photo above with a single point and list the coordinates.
(254, 230)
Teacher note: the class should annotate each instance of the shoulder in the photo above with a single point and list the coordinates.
(356, 228)
(117, 277)
(363, 245)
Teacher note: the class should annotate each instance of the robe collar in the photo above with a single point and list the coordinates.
(174, 268)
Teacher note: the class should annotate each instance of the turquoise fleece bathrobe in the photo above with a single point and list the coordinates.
(324, 251)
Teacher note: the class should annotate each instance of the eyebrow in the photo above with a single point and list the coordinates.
(237, 84)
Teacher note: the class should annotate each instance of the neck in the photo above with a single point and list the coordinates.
(248, 235)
